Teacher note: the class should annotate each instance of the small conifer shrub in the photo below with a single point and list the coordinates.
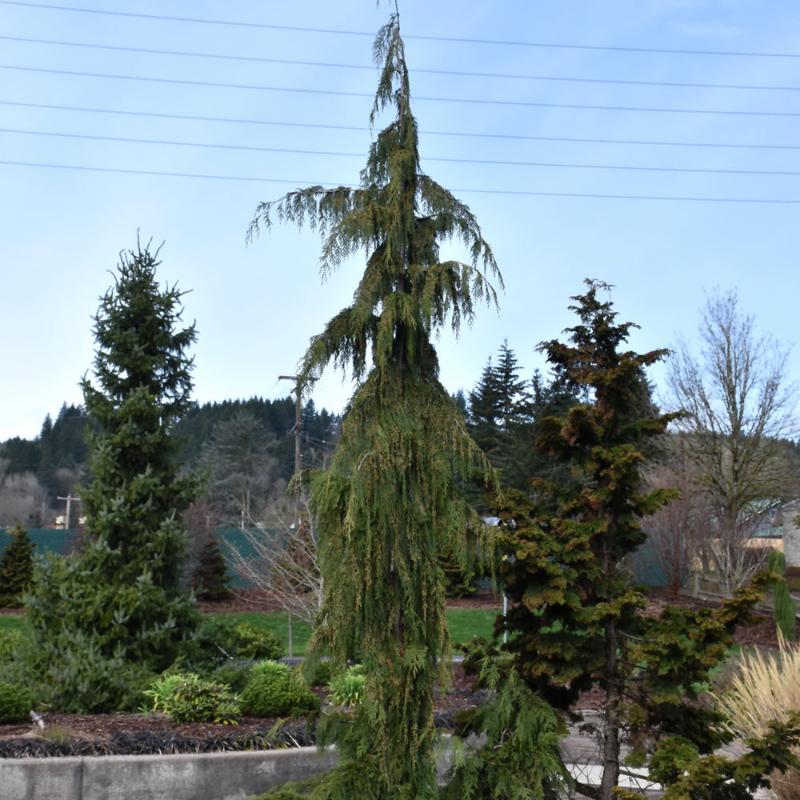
(210, 578)
(16, 568)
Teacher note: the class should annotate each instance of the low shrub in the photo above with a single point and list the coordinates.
(186, 697)
(16, 702)
(82, 680)
(255, 643)
(234, 674)
(275, 689)
(219, 640)
(319, 674)
(347, 688)
(10, 642)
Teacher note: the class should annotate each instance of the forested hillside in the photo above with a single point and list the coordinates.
(35, 472)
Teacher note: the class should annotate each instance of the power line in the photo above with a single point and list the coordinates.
(295, 151)
(421, 37)
(424, 98)
(331, 127)
(511, 192)
(423, 71)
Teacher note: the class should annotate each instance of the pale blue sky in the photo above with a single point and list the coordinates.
(257, 306)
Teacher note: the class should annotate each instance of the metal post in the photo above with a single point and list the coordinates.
(298, 464)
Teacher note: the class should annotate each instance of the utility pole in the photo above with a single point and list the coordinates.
(69, 498)
(298, 464)
(298, 420)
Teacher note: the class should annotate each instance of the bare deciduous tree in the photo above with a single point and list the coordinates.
(738, 406)
(282, 560)
(677, 532)
(23, 500)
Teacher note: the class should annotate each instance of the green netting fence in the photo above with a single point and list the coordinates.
(62, 542)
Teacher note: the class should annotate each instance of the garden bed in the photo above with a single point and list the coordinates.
(146, 734)
(139, 734)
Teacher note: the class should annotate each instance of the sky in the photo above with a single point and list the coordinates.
(257, 305)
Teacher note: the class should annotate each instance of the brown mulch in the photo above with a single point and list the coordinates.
(485, 600)
(101, 727)
(107, 734)
(241, 600)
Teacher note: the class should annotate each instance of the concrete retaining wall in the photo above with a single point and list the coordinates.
(195, 776)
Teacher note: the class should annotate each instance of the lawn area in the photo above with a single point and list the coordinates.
(13, 623)
(464, 623)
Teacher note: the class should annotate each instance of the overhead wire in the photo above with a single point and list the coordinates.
(509, 192)
(473, 100)
(416, 70)
(426, 132)
(443, 159)
(419, 36)
(417, 98)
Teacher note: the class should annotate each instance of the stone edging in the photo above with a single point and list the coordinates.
(187, 776)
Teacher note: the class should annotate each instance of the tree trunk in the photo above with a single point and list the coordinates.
(612, 723)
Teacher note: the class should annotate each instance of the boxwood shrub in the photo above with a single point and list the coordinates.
(275, 689)
(16, 702)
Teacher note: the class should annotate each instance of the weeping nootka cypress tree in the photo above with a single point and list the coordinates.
(390, 498)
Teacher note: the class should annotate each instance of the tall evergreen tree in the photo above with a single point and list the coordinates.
(390, 497)
(120, 602)
(484, 411)
(499, 416)
(511, 389)
(576, 619)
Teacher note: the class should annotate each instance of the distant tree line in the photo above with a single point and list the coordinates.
(275, 420)
(35, 472)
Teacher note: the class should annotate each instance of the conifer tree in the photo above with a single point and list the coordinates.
(576, 619)
(390, 498)
(120, 602)
(500, 417)
(210, 578)
(16, 568)
(484, 410)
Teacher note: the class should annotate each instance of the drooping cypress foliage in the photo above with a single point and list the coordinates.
(518, 757)
(576, 619)
(16, 567)
(119, 604)
(390, 497)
